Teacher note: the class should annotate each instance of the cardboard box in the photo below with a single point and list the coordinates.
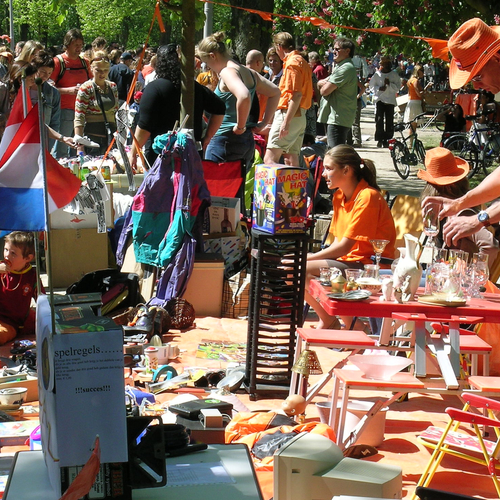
(280, 199)
(61, 219)
(232, 249)
(223, 215)
(94, 300)
(81, 389)
(76, 252)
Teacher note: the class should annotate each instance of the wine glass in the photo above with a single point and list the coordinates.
(378, 248)
(431, 222)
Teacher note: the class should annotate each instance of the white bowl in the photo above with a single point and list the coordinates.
(13, 397)
(379, 366)
(370, 284)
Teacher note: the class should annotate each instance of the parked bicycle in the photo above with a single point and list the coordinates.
(480, 147)
(408, 151)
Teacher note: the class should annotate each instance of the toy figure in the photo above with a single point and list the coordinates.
(294, 406)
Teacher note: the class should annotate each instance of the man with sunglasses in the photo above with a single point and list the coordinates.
(339, 94)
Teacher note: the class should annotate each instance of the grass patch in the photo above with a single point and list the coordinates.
(430, 141)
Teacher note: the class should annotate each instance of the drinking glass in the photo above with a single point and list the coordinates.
(324, 275)
(437, 271)
(371, 271)
(431, 222)
(457, 260)
(352, 275)
(481, 272)
(378, 248)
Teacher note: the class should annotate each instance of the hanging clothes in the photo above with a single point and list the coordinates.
(164, 213)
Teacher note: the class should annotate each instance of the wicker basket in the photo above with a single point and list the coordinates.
(181, 313)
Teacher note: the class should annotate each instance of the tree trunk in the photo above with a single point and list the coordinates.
(250, 31)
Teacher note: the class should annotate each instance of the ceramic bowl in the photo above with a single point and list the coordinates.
(379, 366)
(371, 284)
(14, 396)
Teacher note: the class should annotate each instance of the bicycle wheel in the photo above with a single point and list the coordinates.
(455, 143)
(490, 154)
(398, 153)
(420, 151)
(466, 150)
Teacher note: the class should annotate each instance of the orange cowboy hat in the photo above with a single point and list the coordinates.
(442, 167)
(472, 46)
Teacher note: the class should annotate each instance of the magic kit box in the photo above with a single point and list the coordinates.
(280, 199)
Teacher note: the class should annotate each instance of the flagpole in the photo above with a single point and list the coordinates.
(43, 146)
(25, 97)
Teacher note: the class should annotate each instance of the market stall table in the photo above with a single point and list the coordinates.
(475, 311)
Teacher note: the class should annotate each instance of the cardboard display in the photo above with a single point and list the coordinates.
(81, 389)
(280, 199)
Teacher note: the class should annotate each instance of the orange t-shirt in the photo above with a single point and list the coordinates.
(77, 72)
(365, 217)
(412, 90)
(297, 77)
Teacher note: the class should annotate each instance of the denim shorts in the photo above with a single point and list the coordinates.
(232, 147)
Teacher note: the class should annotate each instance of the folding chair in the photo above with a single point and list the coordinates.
(472, 447)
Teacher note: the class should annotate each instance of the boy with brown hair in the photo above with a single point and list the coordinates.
(18, 285)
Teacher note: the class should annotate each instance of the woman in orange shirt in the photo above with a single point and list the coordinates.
(416, 94)
(360, 214)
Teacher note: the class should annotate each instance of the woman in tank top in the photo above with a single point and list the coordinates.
(237, 87)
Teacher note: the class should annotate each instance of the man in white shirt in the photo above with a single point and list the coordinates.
(384, 84)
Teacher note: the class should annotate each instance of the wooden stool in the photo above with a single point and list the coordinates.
(355, 379)
(333, 339)
(485, 384)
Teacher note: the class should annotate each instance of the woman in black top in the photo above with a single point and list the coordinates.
(160, 106)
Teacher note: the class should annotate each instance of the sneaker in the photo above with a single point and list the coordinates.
(85, 141)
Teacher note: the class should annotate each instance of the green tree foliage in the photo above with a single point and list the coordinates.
(425, 18)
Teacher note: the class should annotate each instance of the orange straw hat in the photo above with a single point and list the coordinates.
(442, 167)
(472, 46)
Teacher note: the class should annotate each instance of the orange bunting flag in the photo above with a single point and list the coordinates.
(158, 16)
(83, 483)
(439, 48)
(265, 15)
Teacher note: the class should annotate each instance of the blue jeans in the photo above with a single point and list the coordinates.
(336, 134)
(232, 147)
(66, 128)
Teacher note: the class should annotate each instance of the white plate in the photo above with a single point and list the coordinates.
(233, 381)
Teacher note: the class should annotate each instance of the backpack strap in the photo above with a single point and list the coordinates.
(63, 67)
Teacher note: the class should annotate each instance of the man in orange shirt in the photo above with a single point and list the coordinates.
(287, 131)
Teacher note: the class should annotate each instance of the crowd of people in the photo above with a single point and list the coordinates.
(294, 98)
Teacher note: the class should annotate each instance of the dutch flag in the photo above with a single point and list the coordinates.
(21, 175)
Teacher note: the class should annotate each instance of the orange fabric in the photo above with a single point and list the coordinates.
(297, 77)
(412, 89)
(248, 428)
(367, 216)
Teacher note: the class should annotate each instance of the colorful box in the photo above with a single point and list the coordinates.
(223, 215)
(280, 199)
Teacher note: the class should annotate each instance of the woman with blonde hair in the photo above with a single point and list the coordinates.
(29, 51)
(236, 87)
(360, 214)
(416, 95)
(96, 105)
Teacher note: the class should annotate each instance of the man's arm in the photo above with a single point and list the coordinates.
(326, 87)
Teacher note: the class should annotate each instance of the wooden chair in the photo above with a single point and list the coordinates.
(469, 446)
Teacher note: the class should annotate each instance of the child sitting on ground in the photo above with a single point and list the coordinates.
(18, 285)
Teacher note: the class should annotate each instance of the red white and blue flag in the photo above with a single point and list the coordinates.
(22, 205)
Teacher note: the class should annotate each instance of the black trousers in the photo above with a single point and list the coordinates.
(384, 121)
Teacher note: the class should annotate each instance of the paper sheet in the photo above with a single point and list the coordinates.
(196, 474)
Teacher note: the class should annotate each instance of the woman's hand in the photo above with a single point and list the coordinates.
(69, 141)
(238, 131)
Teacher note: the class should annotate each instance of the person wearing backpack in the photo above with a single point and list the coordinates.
(70, 71)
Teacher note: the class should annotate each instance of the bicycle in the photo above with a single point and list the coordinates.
(480, 147)
(404, 156)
